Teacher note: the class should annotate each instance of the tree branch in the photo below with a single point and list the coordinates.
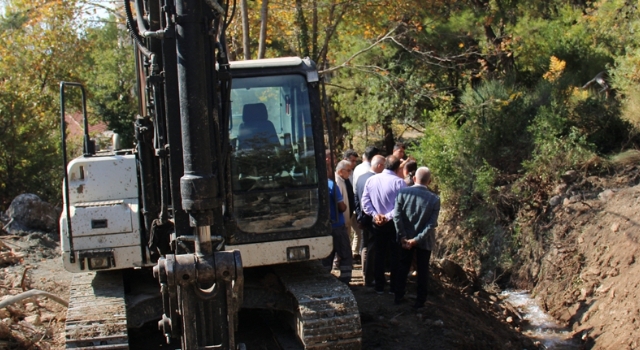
(370, 47)
(32, 293)
(109, 9)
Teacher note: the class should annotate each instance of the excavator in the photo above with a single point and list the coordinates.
(221, 206)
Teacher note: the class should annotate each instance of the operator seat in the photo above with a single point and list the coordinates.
(256, 148)
(256, 131)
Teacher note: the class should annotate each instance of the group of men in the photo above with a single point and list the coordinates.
(392, 215)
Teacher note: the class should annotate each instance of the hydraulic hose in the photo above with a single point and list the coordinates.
(142, 26)
(133, 31)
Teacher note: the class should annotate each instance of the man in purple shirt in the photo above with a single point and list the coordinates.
(378, 201)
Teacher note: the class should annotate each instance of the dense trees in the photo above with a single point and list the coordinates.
(39, 47)
(493, 89)
(42, 43)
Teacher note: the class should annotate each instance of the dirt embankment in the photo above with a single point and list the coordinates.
(590, 276)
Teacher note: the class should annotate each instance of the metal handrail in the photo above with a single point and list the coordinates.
(87, 153)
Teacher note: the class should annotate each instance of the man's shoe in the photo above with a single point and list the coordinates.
(379, 292)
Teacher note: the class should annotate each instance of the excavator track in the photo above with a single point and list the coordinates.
(327, 315)
(97, 317)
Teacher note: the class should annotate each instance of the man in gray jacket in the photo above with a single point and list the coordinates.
(415, 217)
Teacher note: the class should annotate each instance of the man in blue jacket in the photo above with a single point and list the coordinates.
(416, 217)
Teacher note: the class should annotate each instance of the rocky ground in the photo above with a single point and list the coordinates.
(588, 280)
(36, 322)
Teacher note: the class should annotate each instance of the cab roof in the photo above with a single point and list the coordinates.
(267, 63)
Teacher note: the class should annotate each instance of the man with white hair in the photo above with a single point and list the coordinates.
(365, 221)
(416, 217)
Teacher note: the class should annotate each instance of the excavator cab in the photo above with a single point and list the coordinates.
(275, 157)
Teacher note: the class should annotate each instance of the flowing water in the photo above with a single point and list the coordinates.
(541, 327)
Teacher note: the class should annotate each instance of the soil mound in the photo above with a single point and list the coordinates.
(589, 277)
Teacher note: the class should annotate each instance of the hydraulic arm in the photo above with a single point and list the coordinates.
(184, 99)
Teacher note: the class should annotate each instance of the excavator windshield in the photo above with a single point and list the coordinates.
(274, 177)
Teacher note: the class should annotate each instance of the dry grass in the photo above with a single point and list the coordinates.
(629, 157)
(631, 107)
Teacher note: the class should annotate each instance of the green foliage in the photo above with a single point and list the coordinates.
(111, 79)
(40, 45)
(566, 35)
(29, 155)
(460, 176)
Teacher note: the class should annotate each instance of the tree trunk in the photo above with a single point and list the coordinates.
(264, 13)
(389, 142)
(334, 21)
(246, 41)
(314, 29)
(303, 37)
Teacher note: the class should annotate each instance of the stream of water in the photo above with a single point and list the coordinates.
(542, 327)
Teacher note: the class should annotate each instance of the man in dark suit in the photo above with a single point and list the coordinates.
(415, 217)
(367, 252)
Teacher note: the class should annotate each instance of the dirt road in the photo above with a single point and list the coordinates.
(451, 320)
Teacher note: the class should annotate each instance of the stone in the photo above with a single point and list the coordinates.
(615, 226)
(33, 319)
(603, 289)
(569, 176)
(566, 201)
(606, 195)
(593, 271)
(576, 198)
(560, 189)
(555, 200)
(47, 317)
(28, 212)
(453, 270)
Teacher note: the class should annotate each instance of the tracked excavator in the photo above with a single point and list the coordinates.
(221, 206)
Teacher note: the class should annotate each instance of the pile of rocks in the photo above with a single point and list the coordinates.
(27, 214)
